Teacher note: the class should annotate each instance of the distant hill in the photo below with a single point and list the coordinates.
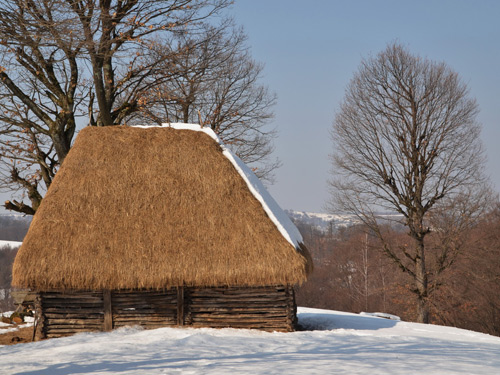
(320, 221)
(331, 222)
(13, 227)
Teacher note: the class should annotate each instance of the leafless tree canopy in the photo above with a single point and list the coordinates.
(214, 81)
(406, 140)
(40, 89)
(61, 60)
(352, 274)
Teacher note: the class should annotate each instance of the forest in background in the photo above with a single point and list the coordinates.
(14, 228)
(351, 274)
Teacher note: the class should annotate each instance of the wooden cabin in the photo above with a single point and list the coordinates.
(158, 226)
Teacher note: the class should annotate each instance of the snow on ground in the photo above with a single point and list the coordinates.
(7, 327)
(342, 343)
(11, 244)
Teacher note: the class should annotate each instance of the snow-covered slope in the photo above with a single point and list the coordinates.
(342, 343)
(331, 222)
(321, 221)
(11, 244)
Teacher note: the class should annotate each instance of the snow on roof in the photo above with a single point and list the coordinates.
(287, 229)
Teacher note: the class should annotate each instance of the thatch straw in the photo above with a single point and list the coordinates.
(152, 208)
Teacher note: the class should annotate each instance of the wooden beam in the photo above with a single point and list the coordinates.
(108, 313)
(180, 305)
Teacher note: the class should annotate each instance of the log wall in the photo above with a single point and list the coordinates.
(149, 309)
(67, 313)
(264, 308)
(270, 308)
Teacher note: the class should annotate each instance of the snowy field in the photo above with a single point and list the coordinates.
(11, 244)
(342, 343)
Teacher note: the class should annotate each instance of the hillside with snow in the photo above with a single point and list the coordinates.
(332, 343)
(322, 222)
(332, 222)
(10, 244)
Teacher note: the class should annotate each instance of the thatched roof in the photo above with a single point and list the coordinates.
(152, 208)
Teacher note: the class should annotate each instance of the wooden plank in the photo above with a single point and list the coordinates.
(92, 319)
(75, 322)
(267, 308)
(238, 319)
(143, 318)
(55, 310)
(180, 305)
(76, 309)
(166, 313)
(108, 312)
(237, 309)
(242, 304)
(71, 299)
(38, 326)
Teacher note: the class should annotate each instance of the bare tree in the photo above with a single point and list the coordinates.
(59, 58)
(214, 81)
(118, 37)
(406, 140)
(363, 269)
(7, 255)
(40, 89)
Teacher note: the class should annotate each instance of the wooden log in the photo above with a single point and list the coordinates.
(234, 320)
(75, 316)
(236, 309)
(135, 307)
(71, 301)
(80, 308)
(62, 334)
(282, 328)
(211, 293)
(163, 314)
(108, 311)
(144, 318)
(180, 305)
(278, 298)
(143, 294)
(241, 299)
(268, 308)
(74, 321)
(67, 298)
(77, 325)
(79, 328)
(57, 310)
(241, 312)
(213, 305)
(240, 304)
(276, 327)
(238, 290)
(149, 326)
(239, 319)
(38, 326)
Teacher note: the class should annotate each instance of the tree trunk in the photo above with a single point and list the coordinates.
(61, 144)
(421, 281)
(422, 310)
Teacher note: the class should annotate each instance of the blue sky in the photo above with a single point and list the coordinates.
(312, 48)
